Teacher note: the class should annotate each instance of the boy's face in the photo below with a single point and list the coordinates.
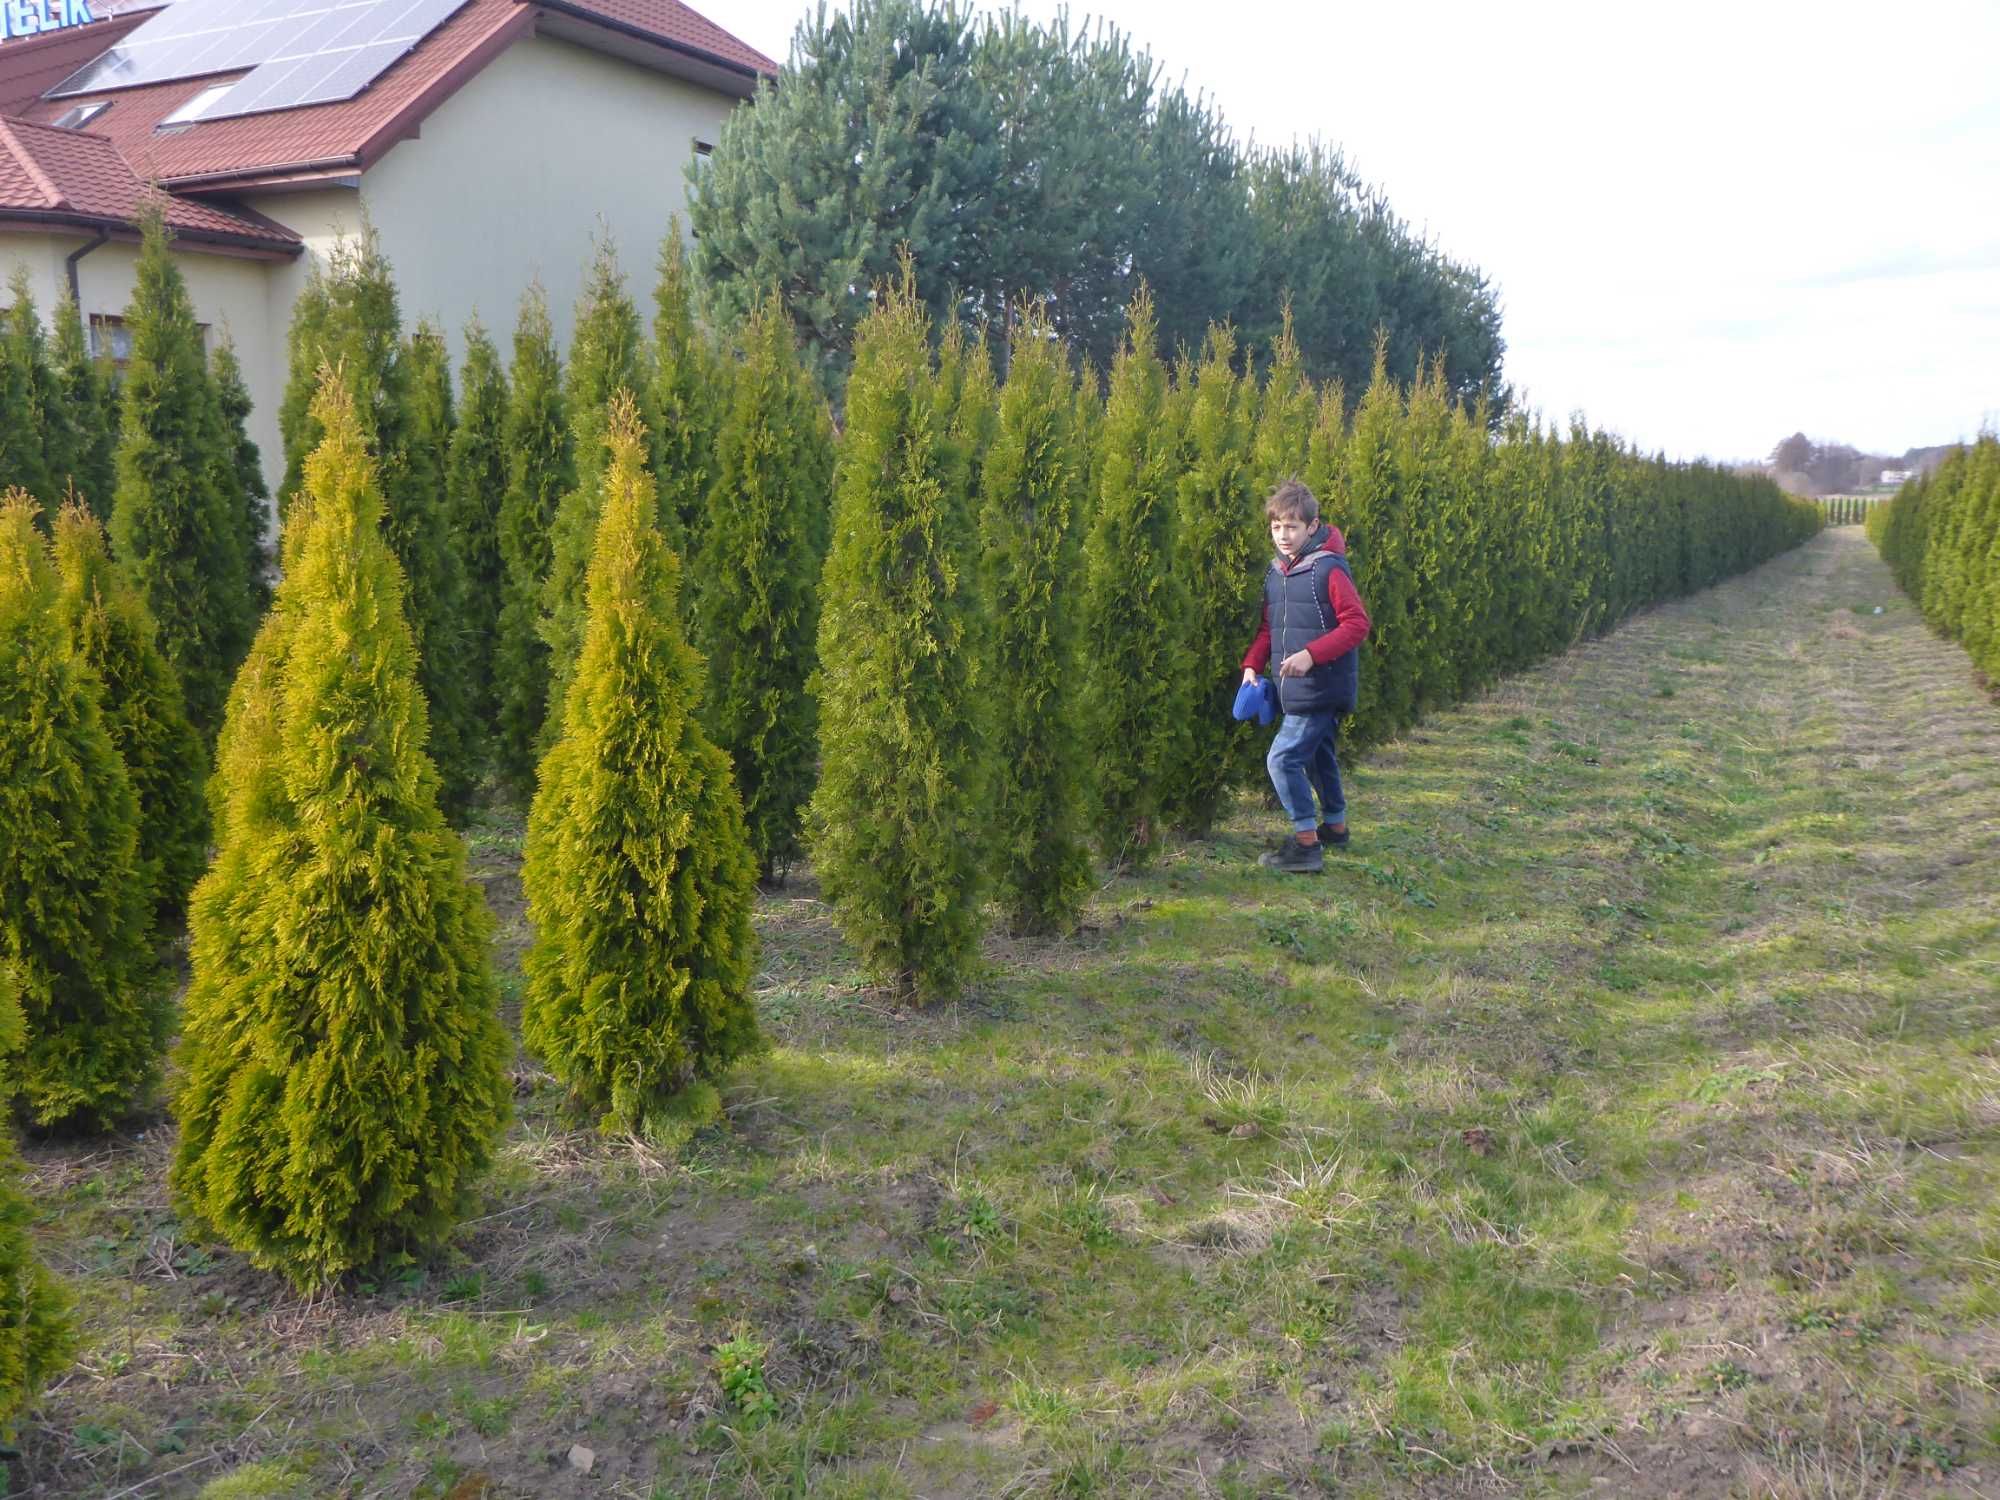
(1288, 533)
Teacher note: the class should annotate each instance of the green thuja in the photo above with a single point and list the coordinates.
(244, 484)
(39, 455)
(343, 1071)
(76, 924)
(637, 868)
(36, 1339)
(755, 605)
(475, 483)
(1286, 415)
(141, 708)
(84, 390)
(607, 356)
(1366, 502)
(345, 317)
(539, 471)
(418, 528)
(1135, 670)
(1033, 480)
(686, 401)
(1219, 550)
(897, 821)
(172, 524)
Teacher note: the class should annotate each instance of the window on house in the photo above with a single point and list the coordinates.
(193, 110)
(111, 338)
(78, 116)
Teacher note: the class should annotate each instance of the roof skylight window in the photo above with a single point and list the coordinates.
(196, 107)
(79, 115)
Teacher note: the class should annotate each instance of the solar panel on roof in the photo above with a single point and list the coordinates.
(297, 51)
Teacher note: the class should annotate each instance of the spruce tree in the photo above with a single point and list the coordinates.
(419, 533)
(1034, 475)
(343, 1071)
(897, 821)
(41, 456)
(637, 868)
(606, 356)
(687, 399)
(475, 482)
(172, 527)
(1218, 551)
(36, 1338)
(86, 397)
(245, 483)
(1135, 605)
(538, 473)
(142, 710)
(755, 602)
(75, 904)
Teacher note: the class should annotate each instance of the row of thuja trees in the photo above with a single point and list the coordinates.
(1940, 536)
(982, 629)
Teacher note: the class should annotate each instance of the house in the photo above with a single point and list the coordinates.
(487, 141)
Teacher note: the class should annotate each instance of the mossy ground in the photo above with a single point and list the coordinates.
(1623, 1109)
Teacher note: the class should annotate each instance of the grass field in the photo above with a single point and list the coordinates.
(1621, 1113)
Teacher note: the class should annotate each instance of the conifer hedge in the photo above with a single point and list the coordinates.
(142, 710)
(1940, 536)
(343, 1071)
(83, 390)
(755, 608)
(897, 823)
(637, 867)
(37, 449)
(35, 1334)
(686, 401)
(475, 484)
(243, 482)
(75, 903)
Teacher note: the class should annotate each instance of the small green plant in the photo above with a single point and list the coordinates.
(739, 1366)
(1727, 1375)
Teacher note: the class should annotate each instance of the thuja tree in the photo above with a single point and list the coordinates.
(1218, 550)
(418, 529)
(142, 710)
(1286, 411)
(686, 403)
(244, 481)
(172, 526)
(475, 482)
(637, 867)
(86, 397)
(897, 822)
(1135, 605)
(346, 316)
(538, 472)
(75, 905)
(343, 1071)
(605, 357)
(38, 454)
(36, 1338)
(1034, 474)
(756, 599)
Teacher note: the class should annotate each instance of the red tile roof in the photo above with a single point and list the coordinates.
(78, 178)
(678, 26)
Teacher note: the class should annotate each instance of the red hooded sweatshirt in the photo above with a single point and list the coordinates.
(1350, 616)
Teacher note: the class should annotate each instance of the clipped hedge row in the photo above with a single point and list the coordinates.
(1941, 538)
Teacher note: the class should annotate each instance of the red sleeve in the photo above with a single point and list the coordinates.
(1350, 621)
(1260, 649)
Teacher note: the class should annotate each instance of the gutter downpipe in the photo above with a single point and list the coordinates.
(70, 260)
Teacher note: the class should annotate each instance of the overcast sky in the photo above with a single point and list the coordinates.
(1711, 225)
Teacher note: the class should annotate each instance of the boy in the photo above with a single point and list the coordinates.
(1313, 623)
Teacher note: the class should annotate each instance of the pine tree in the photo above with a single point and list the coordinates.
(75, 905)
(246, 468)
(36, 1338)
(538, 473)
(605, 357)
(896, 823)
(637, 867)
(172, 527)
(419, 533)
(755, 602)
(1135, 606)
(85, 394)
(142, 710)
(686, 403)
(475, 483)
(1034, 475)
(38, 454)
(1218, 551)
(343, 1071)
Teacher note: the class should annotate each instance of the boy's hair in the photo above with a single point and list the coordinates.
(1292, 499)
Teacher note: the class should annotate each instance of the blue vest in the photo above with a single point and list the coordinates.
(1296, 597)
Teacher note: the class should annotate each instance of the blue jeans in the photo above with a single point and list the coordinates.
(1303, 763)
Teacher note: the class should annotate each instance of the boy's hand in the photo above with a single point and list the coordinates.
(1249, 675)
(1296, 665)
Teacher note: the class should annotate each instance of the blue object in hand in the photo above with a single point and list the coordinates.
(1256, 700)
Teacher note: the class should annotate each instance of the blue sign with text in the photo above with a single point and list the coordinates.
(33, 17)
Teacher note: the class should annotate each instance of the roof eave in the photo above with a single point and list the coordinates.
(245, 246)
(573, 23)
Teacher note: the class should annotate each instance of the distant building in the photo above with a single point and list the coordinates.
(487, 139)
(1897, 476)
